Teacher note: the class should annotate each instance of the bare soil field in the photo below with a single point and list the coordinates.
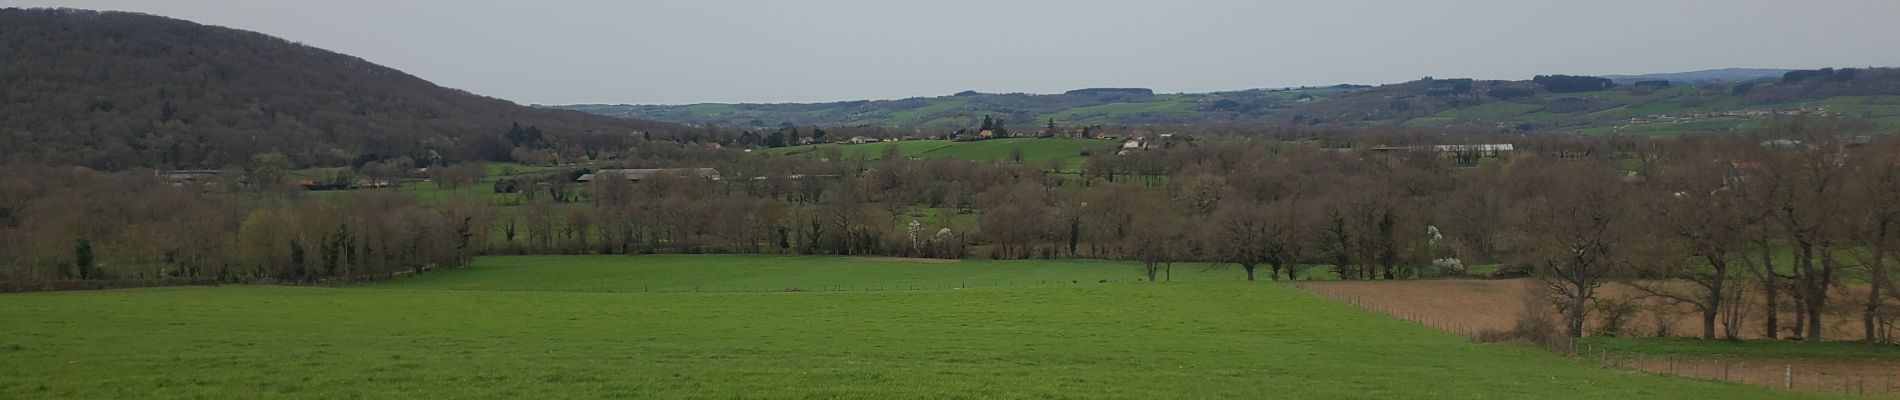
(1470, 306)
(1480, 308)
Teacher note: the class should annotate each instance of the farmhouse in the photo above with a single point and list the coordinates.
(1133, 144)
(1462, 153)
(1476, 150)
(641, 174)
(800, 177)
(189, 175)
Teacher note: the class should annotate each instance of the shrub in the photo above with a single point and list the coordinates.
(1614, 316)
(1508, 271)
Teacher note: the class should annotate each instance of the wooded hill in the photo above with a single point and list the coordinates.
(115, 90)
(1720, 100)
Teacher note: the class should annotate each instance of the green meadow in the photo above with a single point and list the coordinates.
(598, 327)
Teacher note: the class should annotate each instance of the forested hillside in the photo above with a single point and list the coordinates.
(1704, 101)
(114, 90)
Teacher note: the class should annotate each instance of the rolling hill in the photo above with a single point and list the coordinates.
(1724, 75)
(115, 90)
(1701, 101)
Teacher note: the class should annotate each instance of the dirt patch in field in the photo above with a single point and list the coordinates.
(1870, 377)
(1475, 307)
(904, 260)
(1469, 306)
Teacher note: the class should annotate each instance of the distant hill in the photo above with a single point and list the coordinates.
(1099, 106)
(1725, 75)
(1702, 101)
(116, 90)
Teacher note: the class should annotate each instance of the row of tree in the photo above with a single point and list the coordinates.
(63, 227)
(1797, 212)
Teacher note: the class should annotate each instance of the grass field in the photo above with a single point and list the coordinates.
(550, 327)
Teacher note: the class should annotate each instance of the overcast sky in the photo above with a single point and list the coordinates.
(689, 51)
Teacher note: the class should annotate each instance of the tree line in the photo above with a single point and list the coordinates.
(66, 227)
(1794, 215)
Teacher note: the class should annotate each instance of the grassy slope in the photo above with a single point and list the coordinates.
(1182, 340)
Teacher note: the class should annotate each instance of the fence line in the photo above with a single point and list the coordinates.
(1787, 376)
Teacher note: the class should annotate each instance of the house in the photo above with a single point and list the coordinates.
(1476, 150)
(189, 175)
(796, 177)
(1462, 153)
(641, 174)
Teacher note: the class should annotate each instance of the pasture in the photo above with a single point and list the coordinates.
(588, 327)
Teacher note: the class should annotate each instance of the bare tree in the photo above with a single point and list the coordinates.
(1799, 184)
(1240, 234)
(1157, 241)
(1706, 222)
(1575, 233)
(1876, 185)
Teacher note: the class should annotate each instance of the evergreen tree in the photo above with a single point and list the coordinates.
(516, 135)
(776, 139)
(82, 259)
(988, 124)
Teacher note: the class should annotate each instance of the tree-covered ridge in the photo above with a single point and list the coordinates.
(114, 90)
(1658, 104)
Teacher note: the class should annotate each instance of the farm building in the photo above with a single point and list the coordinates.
(1478, 150)
(641, 174)
(1462, 153)
(189, 175)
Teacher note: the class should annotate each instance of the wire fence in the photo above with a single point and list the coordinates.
(1809, 375)
(1460, 326)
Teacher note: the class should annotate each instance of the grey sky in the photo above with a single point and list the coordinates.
(686, 51)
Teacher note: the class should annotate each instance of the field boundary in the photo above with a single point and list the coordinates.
(1847, 376)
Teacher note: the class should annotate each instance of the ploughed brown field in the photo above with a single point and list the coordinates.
(1471, 306)
(1477, 307)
